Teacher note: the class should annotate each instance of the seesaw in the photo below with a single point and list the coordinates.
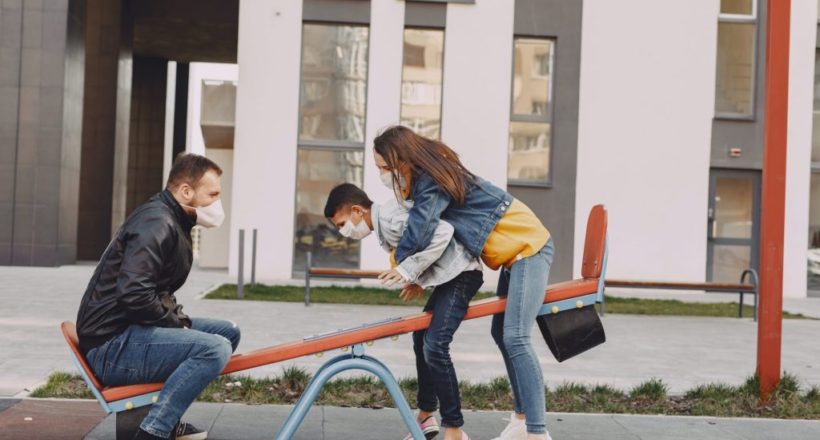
(132, 402)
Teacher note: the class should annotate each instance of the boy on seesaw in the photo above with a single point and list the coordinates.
(446, 267)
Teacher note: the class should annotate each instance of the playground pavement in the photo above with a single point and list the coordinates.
(682, 351)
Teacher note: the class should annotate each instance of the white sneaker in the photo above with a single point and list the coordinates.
(516, 429)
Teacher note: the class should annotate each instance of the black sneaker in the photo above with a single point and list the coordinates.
(142, 435)
(187, 431)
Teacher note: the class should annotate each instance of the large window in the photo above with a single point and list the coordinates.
(531, 115)
(421, 81)
(333, 98)
(735, 81)
(814, 192)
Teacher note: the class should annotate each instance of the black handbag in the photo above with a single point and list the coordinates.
(571, 332)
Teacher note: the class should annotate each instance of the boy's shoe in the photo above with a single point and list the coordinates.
(187, 431)
(429, 427)
(142, 435)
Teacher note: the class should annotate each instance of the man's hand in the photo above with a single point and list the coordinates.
(411, 292)
(391, 277)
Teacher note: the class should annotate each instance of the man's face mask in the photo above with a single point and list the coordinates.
(355, 231)
(210, 216)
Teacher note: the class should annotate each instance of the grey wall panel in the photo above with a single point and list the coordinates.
(337, 11)
(425, 15)
(555, 206)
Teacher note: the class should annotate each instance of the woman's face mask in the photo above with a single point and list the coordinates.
(387, 180)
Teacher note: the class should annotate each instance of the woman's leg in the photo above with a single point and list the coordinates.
(527, 284)
(497, 332)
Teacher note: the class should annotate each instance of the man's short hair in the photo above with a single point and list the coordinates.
(189, 168)
(346, 194)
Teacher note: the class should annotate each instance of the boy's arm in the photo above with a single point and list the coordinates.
(414, 265)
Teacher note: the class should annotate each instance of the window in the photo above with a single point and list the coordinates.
(735, 80)
(531, 116)
(334, 83)
(421, 81)
(332, 108)
(814, 191)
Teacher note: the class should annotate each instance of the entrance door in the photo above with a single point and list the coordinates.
(734, 215)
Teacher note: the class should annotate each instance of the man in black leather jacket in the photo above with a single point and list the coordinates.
(130, 327)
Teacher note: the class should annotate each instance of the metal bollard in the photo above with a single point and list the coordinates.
(253, 259)
(308, 262)
(240, 283)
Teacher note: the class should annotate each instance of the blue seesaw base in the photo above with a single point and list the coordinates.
(356, 360)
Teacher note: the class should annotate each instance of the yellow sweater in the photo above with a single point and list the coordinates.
(519, 234)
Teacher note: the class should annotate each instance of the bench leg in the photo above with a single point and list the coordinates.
(128, 422)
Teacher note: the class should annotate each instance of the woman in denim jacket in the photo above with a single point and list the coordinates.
(493, 226)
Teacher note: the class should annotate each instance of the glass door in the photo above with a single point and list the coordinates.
(732, 233)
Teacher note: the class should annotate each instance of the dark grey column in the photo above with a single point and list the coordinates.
(40, 130)
(103, 18)
(555, 205)
(147, 130)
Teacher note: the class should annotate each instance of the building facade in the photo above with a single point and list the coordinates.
(654, 109)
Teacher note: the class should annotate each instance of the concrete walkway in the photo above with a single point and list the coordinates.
(684, 352)
(74, 420)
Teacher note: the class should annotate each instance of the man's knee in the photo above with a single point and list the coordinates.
(234, 336)
(218, 348)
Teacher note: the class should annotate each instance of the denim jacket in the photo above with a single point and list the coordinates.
(441, 261)
(483, 207)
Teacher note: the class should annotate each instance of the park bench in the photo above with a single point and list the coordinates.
(742, 288)
(132, 402)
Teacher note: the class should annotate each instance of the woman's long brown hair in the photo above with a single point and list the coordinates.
(399, 145)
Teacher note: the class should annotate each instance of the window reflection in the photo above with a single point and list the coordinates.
(318, 171)
(334, 82)
(421, 81)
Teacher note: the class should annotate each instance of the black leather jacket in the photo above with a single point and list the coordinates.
(146, 262)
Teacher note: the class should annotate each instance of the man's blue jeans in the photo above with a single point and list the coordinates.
(187, 360)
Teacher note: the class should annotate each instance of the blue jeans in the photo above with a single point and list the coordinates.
(187, 360)
(524, 285)
(438, 383)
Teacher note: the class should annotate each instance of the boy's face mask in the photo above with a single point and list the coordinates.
(355, 231)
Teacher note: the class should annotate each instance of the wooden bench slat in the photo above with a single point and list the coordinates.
(681, 285)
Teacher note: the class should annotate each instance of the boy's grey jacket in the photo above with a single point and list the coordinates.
(437, 264)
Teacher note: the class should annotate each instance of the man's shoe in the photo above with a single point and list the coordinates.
(187, 431)
(142, 435)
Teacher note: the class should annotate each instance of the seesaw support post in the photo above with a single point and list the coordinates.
(356, 360)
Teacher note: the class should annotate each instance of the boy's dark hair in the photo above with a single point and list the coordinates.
(346, 194)
(189, 168)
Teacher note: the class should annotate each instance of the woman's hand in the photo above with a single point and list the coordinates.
(391, 277)
(411, 292)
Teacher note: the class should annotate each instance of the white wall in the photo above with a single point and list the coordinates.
(478, 51)
(798, 171)
(383, 105)
(267, 103)
(197, 72)
(213, 243)
(646, 107)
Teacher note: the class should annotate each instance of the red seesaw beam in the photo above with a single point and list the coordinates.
(407, 324)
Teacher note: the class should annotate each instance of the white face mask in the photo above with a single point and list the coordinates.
(387, 180)
(355, 232)
(210, 216)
